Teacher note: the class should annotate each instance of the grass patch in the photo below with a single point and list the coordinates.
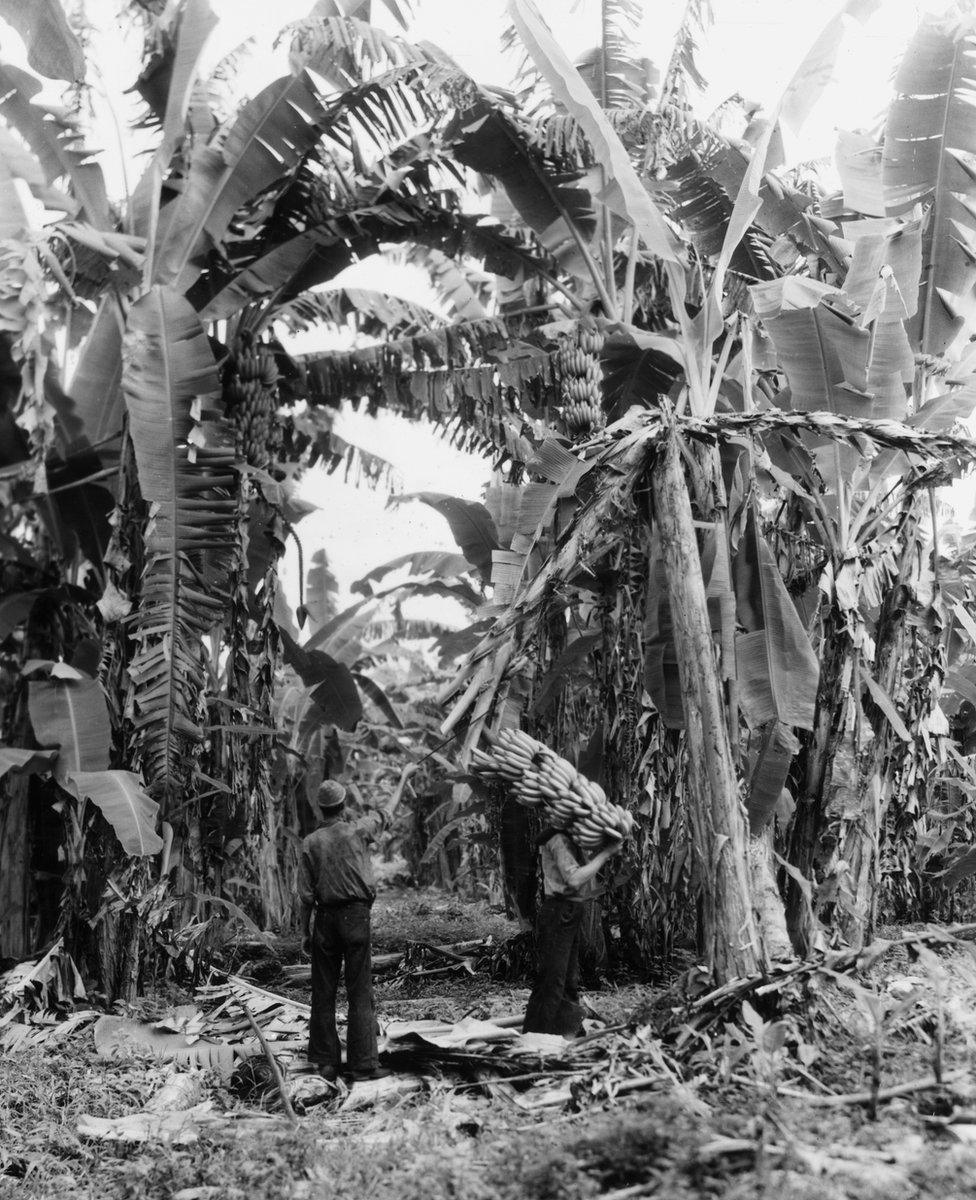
(408, 915)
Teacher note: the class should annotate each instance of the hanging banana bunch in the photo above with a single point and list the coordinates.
(581, 379)
(540, 778)
(251, 401)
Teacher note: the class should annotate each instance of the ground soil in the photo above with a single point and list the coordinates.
(729, 1130)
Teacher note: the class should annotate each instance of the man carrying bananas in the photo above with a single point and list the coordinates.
(554, 1004)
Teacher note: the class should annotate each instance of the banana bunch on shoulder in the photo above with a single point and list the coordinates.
(582, 382)
(542, 779)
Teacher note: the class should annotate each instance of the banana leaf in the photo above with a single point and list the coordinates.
(929, 149)
(503, 501)
(169, 381)
(53, 49)
(471, 525)
(372, 690)
(552, 203)
(624, 193)
(55, 142)
(833, 361)
(858, 160)
(331, 685)
(95, 388)
(890, 248)
(776, 751)
(776, 668)
(268, 139)
(26, 762)
(167, 84)
(441, 564)
(72, 715)
(124, 802)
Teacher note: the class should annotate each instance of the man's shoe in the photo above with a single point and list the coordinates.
(363, 1076)
(329, 1074)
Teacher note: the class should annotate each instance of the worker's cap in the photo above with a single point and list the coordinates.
(331, 796)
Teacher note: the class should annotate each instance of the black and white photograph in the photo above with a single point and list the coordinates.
(487, 600)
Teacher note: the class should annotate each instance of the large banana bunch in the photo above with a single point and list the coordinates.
(582, 381)
(540, 778)
(251, 401)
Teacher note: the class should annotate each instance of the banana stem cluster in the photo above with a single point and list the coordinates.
(581, 382)
(251, 400)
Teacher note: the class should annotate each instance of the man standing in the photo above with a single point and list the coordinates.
(336, 884)
(554, 1005)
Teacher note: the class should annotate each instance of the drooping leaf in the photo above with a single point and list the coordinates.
(342, 637)
(471, 525)
(124, 802)
(330, 683)
(26, 762)
(549, 201)
(777, 670)
(886, 704)
(371, 689)
(375, 311)
(776, 751)
(53, 49)
(638, 367)
(441, 564)
(624, 192)
(463, 289)
(457, 643)
(72, 715)
(96, 384)
(190, 538)
(930, 159)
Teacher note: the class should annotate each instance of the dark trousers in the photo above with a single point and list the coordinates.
(554, 1004)
(341, 934)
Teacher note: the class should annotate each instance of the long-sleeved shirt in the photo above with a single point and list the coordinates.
(559, 867)
(335, 865)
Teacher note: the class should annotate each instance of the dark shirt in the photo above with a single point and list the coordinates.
(335, 865)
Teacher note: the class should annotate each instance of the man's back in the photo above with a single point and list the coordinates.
(336, 866)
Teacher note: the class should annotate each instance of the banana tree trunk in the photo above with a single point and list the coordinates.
(861, 836)
(730, 936)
